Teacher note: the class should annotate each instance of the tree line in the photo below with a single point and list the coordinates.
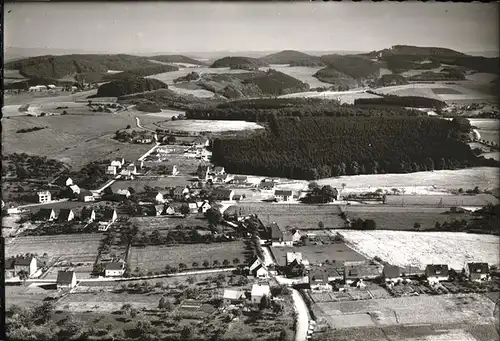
(319, 147)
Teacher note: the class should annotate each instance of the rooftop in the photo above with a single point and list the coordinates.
(65, 277)
(261, 290)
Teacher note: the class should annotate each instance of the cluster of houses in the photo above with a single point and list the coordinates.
(39, 88)
(87, 215)
(117, 167)
(236, 296)
(73, 190)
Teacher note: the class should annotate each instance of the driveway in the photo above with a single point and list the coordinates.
(302, 318)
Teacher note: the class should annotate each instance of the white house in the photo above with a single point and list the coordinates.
(296, 236)
(75, 189)
(114, 269)
(318, 279)
(437, 272)
(233, 296)
(477, 271)
(120, 162)
(66, 214)
(132, 168)
(111, 170)
(291, 256)
(87, 215)
(260, 271)
(15, 265)
(64, 181)
(255, 264)
(259, 291)
(126, 174)
(157, 197)
(203, 207)
(44, 196)
(123, 192)
(66, 279)
(283, 195)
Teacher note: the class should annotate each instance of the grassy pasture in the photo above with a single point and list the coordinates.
(72, 248)
(167, 223)
(74, 139)
(444, 200)
(208, 125)
(155, 258)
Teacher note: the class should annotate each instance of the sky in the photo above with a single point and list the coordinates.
(204, 27)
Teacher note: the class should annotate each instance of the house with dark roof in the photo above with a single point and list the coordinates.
(64, 181)
(354, 273)
(223, 194)
(109, 215)
(66, 214)
(66, 279)
(219, 170)
(266, 185)
(477, 271)
(171, 170)
(318, 279)
(87, 215)
(260, 271)
(392, 274)
(75, 190)
(274, 232)
(283, 195)
(15, 266)
(114, 269)
(437, 272)
(45, 214)
(239, 179)
(180, 193)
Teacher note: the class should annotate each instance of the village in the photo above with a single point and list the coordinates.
(129, 225)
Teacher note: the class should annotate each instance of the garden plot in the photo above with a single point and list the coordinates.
(421, 248)
(409, 310)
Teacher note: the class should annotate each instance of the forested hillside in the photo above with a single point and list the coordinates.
(140, 72)
(244, 63)
(127, 86)
(347, 70)
(176, 58)
(261, 110)
(294, 58)
(168, 99)
(59, 66)
(316, 147)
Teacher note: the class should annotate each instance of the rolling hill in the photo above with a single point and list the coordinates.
(140, 72)
(243, 63)
(294, 58)
(176, 58)
(128, 86)
(58, 67)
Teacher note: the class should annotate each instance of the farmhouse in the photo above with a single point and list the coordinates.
(118, 162)
(282, 195)
(127, 175)
(437, 272)
(318, 279)
(233, 296)
(274, 232)
(111, 170)
(85, 196)
(75, 189)
(193, 207)
(477, 271)
(219, 171)
(16, 266)
(260, 271)
(296, 236)
(223, 194)
(266, 185)
(64, 181)
(180, 193)
(259, 291)
(44, 196)
(293, 256)
(45, 214)
(285, 240)
(169, 210)
(156, 197)
(355, 272)
(66, 214)
(88, 215)
(109, 216)
(255, 264)
(392, 274)
(114, 269)
(221, 178)
(122, 192)
(333, 272)
(66, 279)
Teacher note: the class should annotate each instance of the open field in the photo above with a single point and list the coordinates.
(201, 93)
(301, 216)
(409, 310)
(167, 223)
(47, 97)
(209, 125)
(73, 139)
(319, 253)
(155, 258)
(442, 200)
(106, 302)
(168, 77)
(23, 296)
(162, 182)
(404, 248)
(402, 218)
(71, 248)
(428, 332)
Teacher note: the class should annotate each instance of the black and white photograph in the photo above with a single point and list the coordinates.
(240, 171)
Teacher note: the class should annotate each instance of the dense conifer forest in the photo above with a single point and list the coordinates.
(318, 147)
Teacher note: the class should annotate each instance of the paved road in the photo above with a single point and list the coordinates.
(302, 318)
